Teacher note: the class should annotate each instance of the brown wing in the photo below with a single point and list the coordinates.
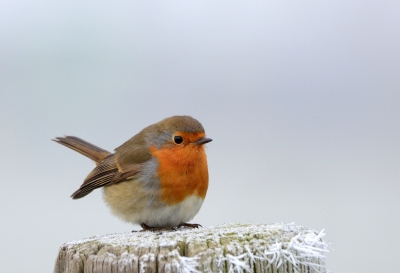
(105, 174)
(132, 152)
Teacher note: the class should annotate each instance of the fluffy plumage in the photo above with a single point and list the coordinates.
(150, 179)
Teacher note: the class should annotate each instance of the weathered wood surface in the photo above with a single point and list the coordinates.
(275, 248)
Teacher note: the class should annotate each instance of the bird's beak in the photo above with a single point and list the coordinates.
(202, 141)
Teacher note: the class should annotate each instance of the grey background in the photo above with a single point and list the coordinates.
(301, 99)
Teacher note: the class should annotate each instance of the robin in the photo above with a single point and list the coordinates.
(158, 178)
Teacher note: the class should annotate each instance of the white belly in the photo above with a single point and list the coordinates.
(135, 205)
(171, 215)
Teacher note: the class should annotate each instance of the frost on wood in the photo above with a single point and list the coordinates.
(276, 248)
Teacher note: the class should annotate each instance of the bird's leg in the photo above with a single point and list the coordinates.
(146, 227)
(189, 225)
(149, 228)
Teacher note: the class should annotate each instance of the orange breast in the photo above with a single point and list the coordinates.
(182, 171)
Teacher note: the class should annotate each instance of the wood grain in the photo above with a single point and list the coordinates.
(275, 248)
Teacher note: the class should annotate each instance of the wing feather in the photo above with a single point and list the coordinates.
(105, 174)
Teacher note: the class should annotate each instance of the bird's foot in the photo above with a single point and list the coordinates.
(154, 229)
(189, 225)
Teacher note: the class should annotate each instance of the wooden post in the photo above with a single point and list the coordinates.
(275, 248)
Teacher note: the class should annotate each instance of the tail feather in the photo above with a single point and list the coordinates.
(83, 147)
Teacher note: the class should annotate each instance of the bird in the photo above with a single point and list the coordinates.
(157, 179)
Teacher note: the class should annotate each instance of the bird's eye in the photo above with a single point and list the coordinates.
(178, 139)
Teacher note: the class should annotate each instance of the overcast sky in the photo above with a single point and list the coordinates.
(302, 99)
